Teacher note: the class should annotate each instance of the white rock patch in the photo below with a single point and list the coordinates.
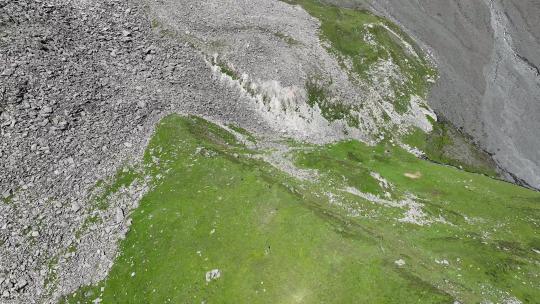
(413, 214)
(213, 274)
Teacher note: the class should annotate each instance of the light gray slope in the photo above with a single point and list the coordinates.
(488, 54)
(271, 50)
(511, 103)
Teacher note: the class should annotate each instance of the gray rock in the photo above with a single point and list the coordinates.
(75, 207)
(21, 283)
(141, 104)
(7, 193)
(213, 274)
(46, 111)
(7, 72)
(119, 215)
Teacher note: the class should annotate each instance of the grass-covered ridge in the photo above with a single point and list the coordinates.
(362, 40)
(341, 238)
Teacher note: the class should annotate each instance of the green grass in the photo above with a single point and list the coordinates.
(89, 221)
(52, 276)
(102, 193)
(346, 29)
(277, 239)
(482, 213)
(123, 178)
(446, 145)
(458, 196)
(225, 69)
(8, 199)
(330, 110)
(244, 132)
(155, 23)
(288, 39)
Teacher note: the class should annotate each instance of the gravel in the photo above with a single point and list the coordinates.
(276, 71)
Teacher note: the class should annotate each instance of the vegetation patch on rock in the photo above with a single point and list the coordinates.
(363, 42)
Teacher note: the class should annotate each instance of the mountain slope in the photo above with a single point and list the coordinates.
(312, 119)
(370, 224)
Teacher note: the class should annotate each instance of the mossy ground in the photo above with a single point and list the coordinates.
(248, 136)
(447, 145)
(225, 69)
(317, 95)
(123, 178)
(288, 39)
(346, 30)
(7, 200)
(277, 239)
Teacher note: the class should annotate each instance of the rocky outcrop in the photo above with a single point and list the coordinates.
(488, 55)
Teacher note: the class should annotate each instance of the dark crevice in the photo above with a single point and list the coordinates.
(530, 64)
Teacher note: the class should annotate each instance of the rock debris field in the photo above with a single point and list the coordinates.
(82, 85)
